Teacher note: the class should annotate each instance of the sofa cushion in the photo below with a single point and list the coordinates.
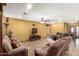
(14, 42)
(40, 51)
(6, 43)
(56, 48)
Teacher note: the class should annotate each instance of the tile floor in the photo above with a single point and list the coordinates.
(31, 45)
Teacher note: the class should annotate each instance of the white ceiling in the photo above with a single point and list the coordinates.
(55, 12)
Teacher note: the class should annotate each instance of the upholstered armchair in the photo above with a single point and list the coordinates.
(56, 49)
(20, 51)
(51, 50)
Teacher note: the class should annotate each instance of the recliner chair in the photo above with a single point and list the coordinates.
(9, 51)
(56, 49)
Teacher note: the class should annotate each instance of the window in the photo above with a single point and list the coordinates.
(77, 28)
(72, 29)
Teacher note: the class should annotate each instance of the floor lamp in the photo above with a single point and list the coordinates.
(6, 24)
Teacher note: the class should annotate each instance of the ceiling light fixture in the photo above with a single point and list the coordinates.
(29, 6)
(42, 20)
(60, 19)
(24, 13)
(45, 21)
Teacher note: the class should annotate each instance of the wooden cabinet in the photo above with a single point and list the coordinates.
(1, 10)
(0, 27)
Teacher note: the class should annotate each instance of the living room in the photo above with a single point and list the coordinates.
(39, 25)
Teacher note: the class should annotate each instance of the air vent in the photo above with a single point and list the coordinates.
(24, 13)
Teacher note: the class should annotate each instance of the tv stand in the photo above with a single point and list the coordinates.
(34, 37)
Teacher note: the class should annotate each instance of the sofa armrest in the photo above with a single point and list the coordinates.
(18, 51)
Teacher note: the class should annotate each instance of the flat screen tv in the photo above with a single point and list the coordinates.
(34, 30)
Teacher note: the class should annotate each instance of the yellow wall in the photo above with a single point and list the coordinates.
(59, 27)
(22, 29)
